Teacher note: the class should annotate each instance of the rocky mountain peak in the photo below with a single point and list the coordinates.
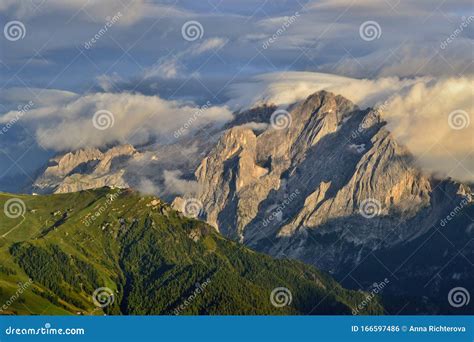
(332, 163)
(86, 168)
(63, 164)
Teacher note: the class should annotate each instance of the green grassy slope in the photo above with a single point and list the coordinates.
(154, 260)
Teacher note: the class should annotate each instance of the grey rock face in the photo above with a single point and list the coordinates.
(85, 169)
(160, 165)
(334, 172)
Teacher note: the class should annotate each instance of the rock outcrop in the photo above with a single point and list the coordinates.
(84, 169)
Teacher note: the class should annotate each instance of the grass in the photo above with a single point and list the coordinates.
(150, 257)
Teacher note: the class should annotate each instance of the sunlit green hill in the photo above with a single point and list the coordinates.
(119, 252)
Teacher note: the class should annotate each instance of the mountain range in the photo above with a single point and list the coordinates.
(322, 181)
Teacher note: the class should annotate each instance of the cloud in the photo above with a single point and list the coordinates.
(256, 126)
(147, 187)
(417, 111)
(209, 44)
(167, 68)
(14, 97)
(435, 120)
(175, 185)
(92, 10)
(173, 65)
(109, 82)
(285, 88)
(409, 60)
(325, 38)
(68, 124)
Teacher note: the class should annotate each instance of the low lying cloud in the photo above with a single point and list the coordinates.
(174, 184)
(95, 120)
(256, 126)
(147, 187)
(435, 120)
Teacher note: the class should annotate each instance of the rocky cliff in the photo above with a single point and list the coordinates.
(329, 185)
(83, 169)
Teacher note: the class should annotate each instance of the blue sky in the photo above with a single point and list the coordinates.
(143, 51)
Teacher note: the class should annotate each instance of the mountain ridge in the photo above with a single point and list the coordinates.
(135, 254)
(325, 183)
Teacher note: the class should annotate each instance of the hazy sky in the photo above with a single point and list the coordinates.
(69, 59)
(148, 35)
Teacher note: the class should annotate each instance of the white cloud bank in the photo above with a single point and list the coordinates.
(436, 122)
(68, 124)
